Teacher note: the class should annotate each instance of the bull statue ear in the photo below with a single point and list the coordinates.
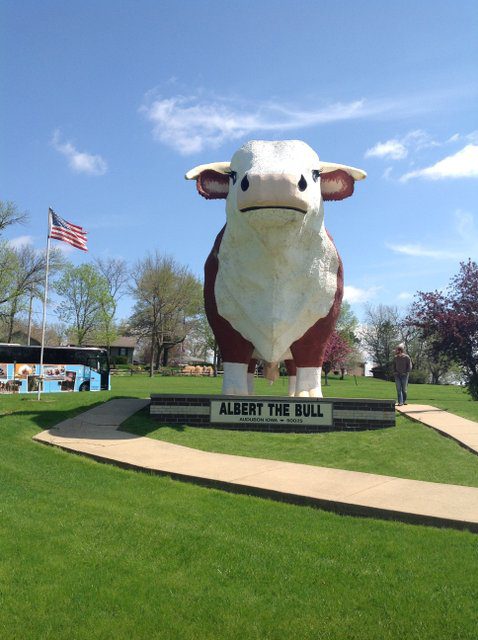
(337, 180)
(212, 180)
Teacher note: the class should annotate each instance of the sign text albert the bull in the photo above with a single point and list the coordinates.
(314, 413)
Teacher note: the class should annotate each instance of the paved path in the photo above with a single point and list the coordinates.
(460, 429)
(94, 433)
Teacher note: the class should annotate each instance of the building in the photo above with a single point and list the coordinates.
(20, 337)
(123, 346)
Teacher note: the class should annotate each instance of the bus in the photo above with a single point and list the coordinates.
(64, 369)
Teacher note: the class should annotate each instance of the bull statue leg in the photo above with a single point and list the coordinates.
(308, 353)
(234, 382)
(309, 383)
(251, 370)
(236, 351)
(292, 373)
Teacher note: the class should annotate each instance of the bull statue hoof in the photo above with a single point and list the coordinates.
(309, 384)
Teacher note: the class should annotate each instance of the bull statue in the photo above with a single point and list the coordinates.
(274, 280)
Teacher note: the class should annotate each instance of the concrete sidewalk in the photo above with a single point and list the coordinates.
(94, 433)
(464, 431)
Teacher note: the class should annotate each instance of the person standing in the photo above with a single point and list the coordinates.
(402, 365)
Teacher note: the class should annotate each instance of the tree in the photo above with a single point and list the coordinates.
(438, 365)
(200, 340)
(168, 296)
(22, 279)
(55, 334)
(381, 334)
(347, 324)
(449, 321)
(115, 273)
(9, 214)
(427, 366)
(347, 328)
(22, 272)
(85, 296)
(336, 354)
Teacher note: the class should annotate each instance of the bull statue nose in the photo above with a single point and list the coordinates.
(273, 191)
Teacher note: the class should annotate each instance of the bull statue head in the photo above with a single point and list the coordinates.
(267, 172)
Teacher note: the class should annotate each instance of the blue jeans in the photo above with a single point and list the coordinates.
(401, 380)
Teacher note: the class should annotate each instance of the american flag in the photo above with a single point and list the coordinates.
(71, 233)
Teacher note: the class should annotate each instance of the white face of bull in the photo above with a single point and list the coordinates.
(274, 183)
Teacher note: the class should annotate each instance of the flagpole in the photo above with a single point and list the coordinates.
(45, 298)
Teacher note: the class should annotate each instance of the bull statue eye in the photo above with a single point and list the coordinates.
(245, 183)
(233, 176)
(302, 184)
(315, 174)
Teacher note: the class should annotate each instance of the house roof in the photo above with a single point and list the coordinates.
(125, 341)
(122, 341)
(21, 337)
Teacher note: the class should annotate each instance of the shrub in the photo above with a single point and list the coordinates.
(383, 373)
(418, 376)
(135, 368)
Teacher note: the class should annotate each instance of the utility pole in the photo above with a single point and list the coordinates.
(30, 318)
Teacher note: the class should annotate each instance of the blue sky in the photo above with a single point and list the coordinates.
(107, 104)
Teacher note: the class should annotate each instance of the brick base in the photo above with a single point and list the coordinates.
(272, 413)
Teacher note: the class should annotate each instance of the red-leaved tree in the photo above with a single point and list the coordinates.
(336, 353)
(449, 321)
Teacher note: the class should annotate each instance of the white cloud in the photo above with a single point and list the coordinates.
(465, 224)
(355, 294)
(418, 250)
(79, 161)
(113, 221)
(472, 137)
(454, 138)
(405, 295)
(64, 247)
(393, 149)
(462, 241)
(387, 173)
(468, 137)
(20, 241)
(419, 139)
(399, 148)
(463, 164)
(191, 123)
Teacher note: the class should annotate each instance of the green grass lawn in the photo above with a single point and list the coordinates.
(92, 551)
